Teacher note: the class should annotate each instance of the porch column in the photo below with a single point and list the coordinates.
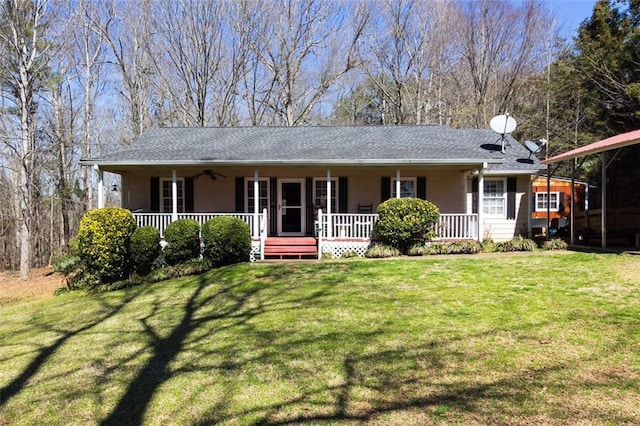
(398, 183)
(329, 224)
(100, 186)
(256, 204)
(480, 202)
(174, 196)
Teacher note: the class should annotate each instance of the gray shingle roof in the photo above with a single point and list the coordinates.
(344, 145)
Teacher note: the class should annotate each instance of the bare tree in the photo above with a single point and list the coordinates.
(196, 60)
(24, 65)
(302, 50)
(125, 27)
(88, 49)
(500, 45)
(406, 44)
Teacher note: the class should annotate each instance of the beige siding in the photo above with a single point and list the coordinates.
(445, 187)
(502, 229)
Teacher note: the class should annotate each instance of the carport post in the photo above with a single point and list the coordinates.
(603, 219)
(572, 219)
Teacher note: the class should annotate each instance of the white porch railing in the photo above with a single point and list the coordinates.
(452, 226)
(457, 227)
(347, 225)
(161, 220)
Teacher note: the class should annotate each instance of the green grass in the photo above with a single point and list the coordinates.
(529, 339)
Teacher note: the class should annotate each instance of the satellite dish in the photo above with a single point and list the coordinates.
(532, 146)
(503, 124)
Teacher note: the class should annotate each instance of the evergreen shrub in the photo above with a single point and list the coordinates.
(183, 241)
(145, 249)
(104, 243)
(227, 240)
(404, 222)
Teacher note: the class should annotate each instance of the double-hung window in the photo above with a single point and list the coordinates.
(263, 195)
(166, 196)
(494, 199)
(407, 187)
(320, 194)
(541, 201)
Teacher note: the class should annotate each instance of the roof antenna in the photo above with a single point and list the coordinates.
(503, 125)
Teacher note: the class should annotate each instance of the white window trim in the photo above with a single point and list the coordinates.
(402, 179)
(334, 194)
(552, 209)
(246, 193)
(179, 181)
(504, 197)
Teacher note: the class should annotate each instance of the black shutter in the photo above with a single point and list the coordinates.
(188, 195)
(239, 194)
(309, 213)
(511, 198)
(421, 190)
(273, 211)
(343, 194)
(474, 195)
(155, 194)
(385, 188)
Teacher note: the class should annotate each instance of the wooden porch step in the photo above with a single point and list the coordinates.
(293, 247)
(290, 241)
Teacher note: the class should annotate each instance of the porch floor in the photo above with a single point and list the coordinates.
(291, 248)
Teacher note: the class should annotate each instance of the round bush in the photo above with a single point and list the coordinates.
(403, 222)
(145, 248)
(227, 240)
(183, 241)
(104, 242)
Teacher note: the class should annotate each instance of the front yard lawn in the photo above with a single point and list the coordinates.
(521, 339)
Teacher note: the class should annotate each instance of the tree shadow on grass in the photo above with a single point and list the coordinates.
(133, 404)
(17, 384)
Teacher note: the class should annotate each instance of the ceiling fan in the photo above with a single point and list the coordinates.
(213, 175)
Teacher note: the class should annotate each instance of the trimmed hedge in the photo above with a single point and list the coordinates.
(145, 249)
(227, 240)
(183, 241)
(404, 222)
(104, 242)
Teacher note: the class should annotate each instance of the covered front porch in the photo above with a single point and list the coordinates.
(335, 233)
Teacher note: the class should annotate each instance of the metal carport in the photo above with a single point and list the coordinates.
(601, 147)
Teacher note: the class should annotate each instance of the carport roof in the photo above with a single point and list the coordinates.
(614, 142)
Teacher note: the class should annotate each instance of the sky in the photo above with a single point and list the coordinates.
(570, 14)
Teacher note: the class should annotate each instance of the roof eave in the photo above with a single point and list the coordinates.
(336, 162)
